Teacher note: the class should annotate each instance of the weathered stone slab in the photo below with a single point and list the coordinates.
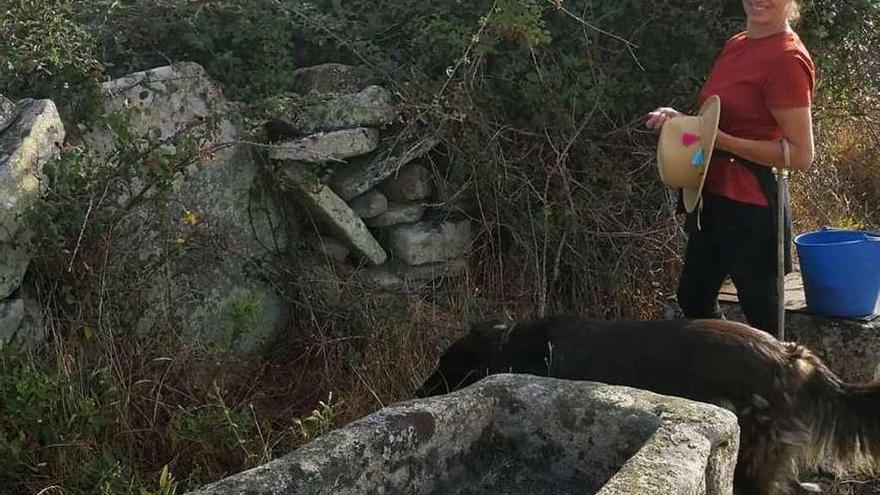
(430, 241)
(517, 435)
(327, 147)
(370, 204)
(363, 174)
(15, 257)
(219, 214)
(398, 213)
(330, 78)
(11, 316)
(411, 183)
(333, 212)
(32, 136)
(21, 321)
(371, 107)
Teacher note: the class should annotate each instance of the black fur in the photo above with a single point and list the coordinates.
(278, 130)
(792, 409)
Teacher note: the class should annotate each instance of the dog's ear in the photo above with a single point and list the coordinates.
(487, 337)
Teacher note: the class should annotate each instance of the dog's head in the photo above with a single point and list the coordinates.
(489, 347)
(468, 359)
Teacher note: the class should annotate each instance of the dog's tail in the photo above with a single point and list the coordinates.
(846, 421)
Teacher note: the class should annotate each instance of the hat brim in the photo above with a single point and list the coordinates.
(710, 114)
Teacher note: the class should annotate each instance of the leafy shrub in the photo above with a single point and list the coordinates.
(53, 429)
(47, 53)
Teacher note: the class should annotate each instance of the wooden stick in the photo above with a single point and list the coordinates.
(781, 186)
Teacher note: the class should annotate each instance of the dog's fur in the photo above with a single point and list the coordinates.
(792, 410)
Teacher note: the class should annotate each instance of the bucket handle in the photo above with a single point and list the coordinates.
(869, 236)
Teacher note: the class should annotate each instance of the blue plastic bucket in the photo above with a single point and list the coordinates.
(841, 271)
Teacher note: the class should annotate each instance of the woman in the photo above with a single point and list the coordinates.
(765, 79)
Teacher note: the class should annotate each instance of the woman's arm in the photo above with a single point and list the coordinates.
(797, 128)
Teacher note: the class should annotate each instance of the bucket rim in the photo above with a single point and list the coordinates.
(861, 236)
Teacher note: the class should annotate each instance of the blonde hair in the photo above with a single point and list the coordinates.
(794, 12)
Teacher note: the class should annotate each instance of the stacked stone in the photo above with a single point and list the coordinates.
(372, 203)
(30, 134)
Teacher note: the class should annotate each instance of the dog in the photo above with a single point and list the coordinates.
(792, 410)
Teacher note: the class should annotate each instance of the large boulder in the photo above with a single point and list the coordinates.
(212, 238)
(31, 133)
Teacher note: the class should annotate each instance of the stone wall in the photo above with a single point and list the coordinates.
(364, 175)
(206, 254)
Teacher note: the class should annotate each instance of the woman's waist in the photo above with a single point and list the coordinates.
(720, 156)
(736, 178)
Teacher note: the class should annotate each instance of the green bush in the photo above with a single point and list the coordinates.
(47, 53)
(56, 432)
(251, 47)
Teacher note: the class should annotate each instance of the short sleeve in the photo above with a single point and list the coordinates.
(790, 82)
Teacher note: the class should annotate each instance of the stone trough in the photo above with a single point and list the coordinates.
(514, 434)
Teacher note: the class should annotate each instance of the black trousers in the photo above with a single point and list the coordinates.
(737, 240)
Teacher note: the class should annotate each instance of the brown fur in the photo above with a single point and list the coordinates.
(792, 410)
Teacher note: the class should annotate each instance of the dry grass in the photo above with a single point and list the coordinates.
(156, 402)
(849, 485)
(842, 189)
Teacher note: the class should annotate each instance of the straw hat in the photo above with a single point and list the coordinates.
(685, 150)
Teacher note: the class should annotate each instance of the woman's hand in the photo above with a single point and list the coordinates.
(658, 117)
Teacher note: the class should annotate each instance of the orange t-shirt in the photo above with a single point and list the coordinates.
(752, 76)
